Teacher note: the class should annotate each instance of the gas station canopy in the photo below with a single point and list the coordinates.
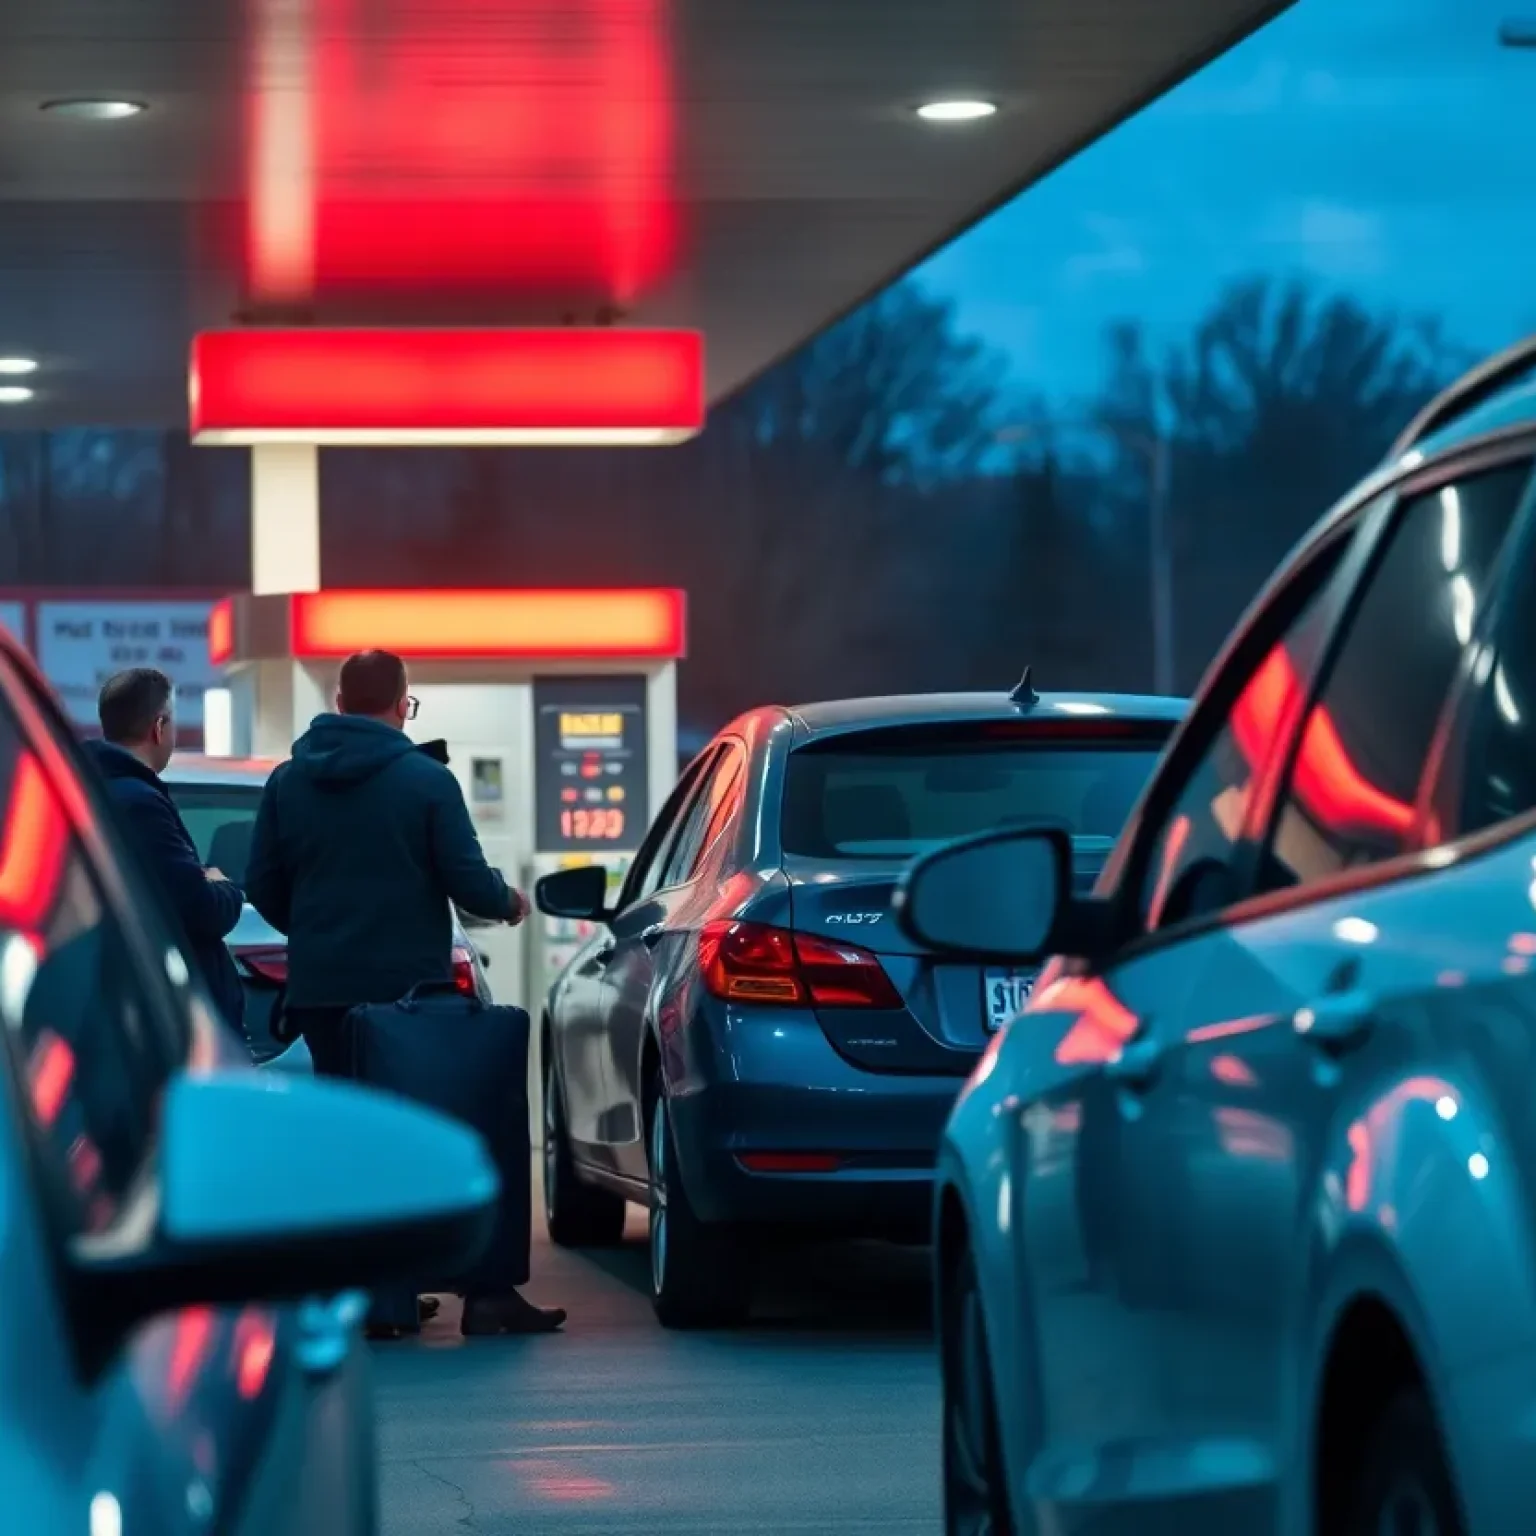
(748, 169)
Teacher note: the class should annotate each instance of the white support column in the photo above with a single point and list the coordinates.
(285, 518)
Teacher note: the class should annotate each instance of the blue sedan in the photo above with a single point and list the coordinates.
(750, 1047)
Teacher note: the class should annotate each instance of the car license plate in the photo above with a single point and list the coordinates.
(1006, 993)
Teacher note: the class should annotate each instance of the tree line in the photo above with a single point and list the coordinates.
(883, 511)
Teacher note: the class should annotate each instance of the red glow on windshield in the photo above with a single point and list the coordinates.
(1326, 781)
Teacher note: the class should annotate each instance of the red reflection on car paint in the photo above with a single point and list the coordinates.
(1227, 1027)
(1357, 1181)
(34, 840)
(1104, 1024)
(50, 1071)
(1233, 1071)
(254, 1342)
(1244, 1133)
(189, 1348)
(1365, 1135)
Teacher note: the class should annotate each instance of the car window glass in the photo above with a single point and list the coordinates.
(1354, 777)
(1491, 766)
(722, 798)
(220, 819)
(90, 1060)
(1191, 870)
(645, 874)
(690, 839)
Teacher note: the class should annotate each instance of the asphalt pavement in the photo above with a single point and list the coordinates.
(819, 1419)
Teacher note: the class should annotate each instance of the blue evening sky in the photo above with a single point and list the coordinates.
(1381, 147)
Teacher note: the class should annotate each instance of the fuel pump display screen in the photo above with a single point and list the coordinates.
(590, 737)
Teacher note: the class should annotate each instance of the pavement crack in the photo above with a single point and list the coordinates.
(467, 1519)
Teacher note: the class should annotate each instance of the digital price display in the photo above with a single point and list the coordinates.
(590, 740)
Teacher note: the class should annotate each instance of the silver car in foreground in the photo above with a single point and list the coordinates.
(218, 798)
(1237, 1221)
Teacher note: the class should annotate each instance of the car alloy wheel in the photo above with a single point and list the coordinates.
(658, 1221)
(1408, 1510)
(552, 1133)
(1404, 1486)
(974, 1501)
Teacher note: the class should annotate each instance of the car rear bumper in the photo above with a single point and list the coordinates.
(790, 1095)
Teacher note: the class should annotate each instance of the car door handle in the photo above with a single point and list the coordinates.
(651, 936)
(1338, 1022)
(327, 1326)
(1137, 1064)
(603, 953)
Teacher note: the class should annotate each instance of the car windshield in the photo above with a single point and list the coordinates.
(860, 798)
(220, 818)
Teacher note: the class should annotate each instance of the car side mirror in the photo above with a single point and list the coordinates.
(274, 1187)
(999, 895)
(580, 893)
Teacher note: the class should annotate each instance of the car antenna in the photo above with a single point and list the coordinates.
(1024, 695)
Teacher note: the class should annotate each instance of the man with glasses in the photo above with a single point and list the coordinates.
(360, 844)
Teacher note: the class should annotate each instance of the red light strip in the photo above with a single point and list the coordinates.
(639, 624)
(550, 387)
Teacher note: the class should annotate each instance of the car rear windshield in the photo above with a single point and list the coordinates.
(891, 794)
(220, 818)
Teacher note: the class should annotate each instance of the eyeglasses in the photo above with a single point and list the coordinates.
(412, 706)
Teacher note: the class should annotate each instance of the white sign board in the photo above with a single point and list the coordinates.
(81, 644)
(14, 617)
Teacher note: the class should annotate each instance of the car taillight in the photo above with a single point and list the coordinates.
(754, 963)
(463, 971)
(271, 965)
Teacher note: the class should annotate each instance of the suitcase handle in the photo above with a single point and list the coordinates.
(412, 999)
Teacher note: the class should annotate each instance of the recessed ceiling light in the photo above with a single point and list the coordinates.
(955, 111)
(95, 109)
(14, 394)
(16, 366)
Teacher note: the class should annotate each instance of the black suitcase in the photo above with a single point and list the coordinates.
(467, 1059)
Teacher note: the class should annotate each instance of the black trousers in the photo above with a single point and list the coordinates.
(324, 1031)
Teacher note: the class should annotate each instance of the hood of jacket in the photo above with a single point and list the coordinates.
(341, 750)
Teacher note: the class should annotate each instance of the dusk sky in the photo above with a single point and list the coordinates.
(1380, 147)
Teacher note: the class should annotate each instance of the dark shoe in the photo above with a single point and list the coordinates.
(511, 1313)
(428, 1307)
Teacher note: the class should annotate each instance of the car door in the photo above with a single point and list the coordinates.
(1243, 1102)
(640, 930)
(1100, 1192)
(207, 1418)
(582, 1024)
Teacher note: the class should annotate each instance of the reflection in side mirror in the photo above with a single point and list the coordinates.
(276, 1186)
(580, 893)
(1001, 894)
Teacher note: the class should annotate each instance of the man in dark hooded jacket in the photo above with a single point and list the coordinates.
(137, 710)
(360, 844)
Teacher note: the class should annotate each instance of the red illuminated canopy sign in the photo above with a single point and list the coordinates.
(620, 624)
(573, 386)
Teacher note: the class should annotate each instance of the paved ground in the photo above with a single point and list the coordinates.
(820, 1420)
